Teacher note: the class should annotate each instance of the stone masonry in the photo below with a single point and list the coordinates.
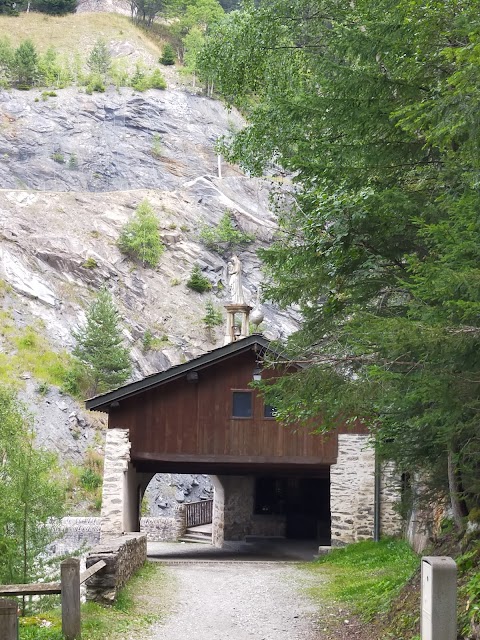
(352, 490)
(123, 557)
(117, 457)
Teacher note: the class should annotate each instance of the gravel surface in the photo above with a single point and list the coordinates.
(224, 600)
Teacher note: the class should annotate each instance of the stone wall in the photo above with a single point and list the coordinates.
(164, 529)
(269, 525)
(124, 556)
(352, 490)
(391, 523)
(238, 506)
(114, 494)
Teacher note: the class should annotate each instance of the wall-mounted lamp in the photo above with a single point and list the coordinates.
(114, 405)
(257, 374)
(192, 376)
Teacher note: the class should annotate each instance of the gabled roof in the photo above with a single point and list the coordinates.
(103, 402)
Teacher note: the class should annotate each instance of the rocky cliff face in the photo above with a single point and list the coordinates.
(73, 169)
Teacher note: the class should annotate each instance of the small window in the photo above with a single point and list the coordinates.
(269, 411)
(242, 404)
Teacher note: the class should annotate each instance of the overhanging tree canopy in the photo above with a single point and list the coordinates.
(374, 108)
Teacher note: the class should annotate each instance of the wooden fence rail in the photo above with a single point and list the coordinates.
(197, 513)
(68, 587)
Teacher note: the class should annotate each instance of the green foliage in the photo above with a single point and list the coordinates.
(156, 146)
(192, 45)
(151, 342)
(140, 239)
(99, 60)
(198, 282)
(32, 495)
(73, 161)
(131, 614)
(90, 263)
(90, 480)
(99, 345)
(225, 236)
(366, 575)
(168, 56)
(95, 83)
(25, 65)
(375, 114)
(11, 7)
(142, 80)
(54, 7)
(213, 316)
(57, 156)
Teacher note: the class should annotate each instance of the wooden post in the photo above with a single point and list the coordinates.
(8, 619)
(70, 580)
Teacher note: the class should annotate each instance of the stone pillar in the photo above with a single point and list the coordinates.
(123, 487)
(242, 310)
(218, 512)
(114, 494)
(391, 523)
(352, 490)
(238, 501)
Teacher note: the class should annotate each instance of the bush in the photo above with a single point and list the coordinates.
(95, 83)
(99, 61)
(168, 55)
(198, 282)
(225, 236)
(157, 81)
(140, 239)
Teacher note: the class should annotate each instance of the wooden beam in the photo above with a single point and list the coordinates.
(91, 570)
(39, 589)
(299, 461)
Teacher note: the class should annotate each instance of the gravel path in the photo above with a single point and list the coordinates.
(247, 600)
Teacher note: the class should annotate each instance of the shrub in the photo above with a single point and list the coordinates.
(57, 156)
(90, 480)
(25, 65)
(225, 236)
(73, 161)
(95, 83)
(197, 281)
(168, 56)
(140, 239)
(156, 80)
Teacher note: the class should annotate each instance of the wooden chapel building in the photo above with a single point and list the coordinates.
(203, 416)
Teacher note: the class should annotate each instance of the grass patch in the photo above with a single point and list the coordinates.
(26, 349)
(132, 614)
(366, 576)
(80, 28)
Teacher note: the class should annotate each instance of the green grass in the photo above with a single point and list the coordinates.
(132, 614)
(26, 349)
(366, 576)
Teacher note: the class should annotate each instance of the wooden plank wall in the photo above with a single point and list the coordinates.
(194, 418)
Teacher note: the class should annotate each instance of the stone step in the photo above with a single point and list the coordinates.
(195, 531)
(193, 538)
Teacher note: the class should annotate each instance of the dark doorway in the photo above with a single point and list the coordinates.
(305, 502)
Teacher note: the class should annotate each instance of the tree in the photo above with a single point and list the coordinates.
(168, 55)
(99, 59)
(33, 495)
(140, 239)
(373, 107)
(11, 7)
(146, 10)
(54, 7)
(197, 281)
(25, 64)
(100, 346)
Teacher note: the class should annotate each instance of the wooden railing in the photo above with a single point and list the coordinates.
(68, 587)
(197, 513)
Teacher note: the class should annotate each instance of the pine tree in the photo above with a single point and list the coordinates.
(100, 60)
(140, 239)
(168, 55)
(99, 345)
(25, 64)
(197, 281)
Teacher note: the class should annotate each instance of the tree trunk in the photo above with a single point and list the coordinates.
(456, 503)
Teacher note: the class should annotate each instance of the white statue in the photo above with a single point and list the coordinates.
(235, 281)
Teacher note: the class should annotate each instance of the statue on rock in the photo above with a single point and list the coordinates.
(235, 281)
